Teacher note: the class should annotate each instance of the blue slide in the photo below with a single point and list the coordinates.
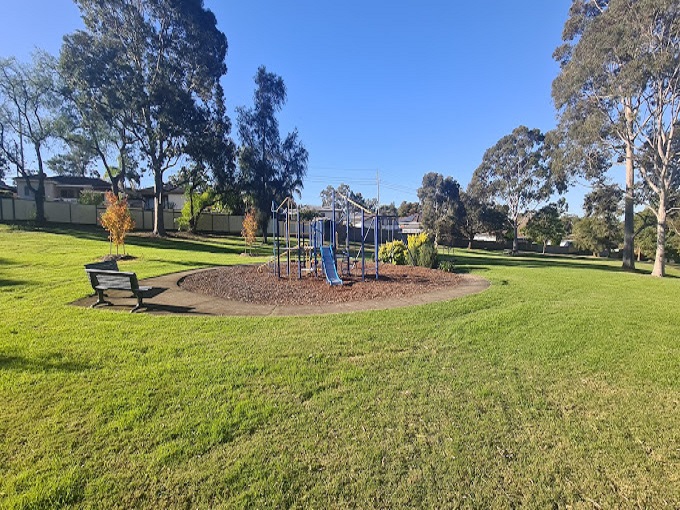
(329, 268)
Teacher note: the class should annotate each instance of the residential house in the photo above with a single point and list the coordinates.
(410, 224)
(173, 197)
(63, 188)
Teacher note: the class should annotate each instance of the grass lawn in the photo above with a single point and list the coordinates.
(557, 387)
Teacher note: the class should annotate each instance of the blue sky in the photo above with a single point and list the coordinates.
(398, 87)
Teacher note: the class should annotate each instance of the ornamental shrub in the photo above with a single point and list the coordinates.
(427, 255)
(393, 252)
(447, 265)
(421, 250)
(117, 220)
(249, 230)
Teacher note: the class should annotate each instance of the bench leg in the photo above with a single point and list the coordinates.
(100, 299)
(140, 304)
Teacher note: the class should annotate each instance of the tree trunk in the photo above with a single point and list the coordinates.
(544, 245)
(469, 244)
(629, 212)
(158, 222)
(660, 258)
(515, 229)
(115, 187)
(192, 219)
(263, 223)
(40, 219)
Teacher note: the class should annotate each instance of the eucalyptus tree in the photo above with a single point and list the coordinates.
(270, 169)
(546, 225)
(408, 208)
(479, 216)
(442, 209)
(29, 104)
(600, 229)
(152, 68)
(618, 89)
(513, 173)
(342, 191)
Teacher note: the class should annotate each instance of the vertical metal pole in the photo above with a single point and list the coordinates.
(297, 211)
(288, 239)
(347, 237)
(377, 242)
(332, 243)
(363, 251)
(277, 248)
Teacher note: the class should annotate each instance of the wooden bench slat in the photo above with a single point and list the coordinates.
(109, 279)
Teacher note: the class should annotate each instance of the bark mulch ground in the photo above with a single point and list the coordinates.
(251, 284)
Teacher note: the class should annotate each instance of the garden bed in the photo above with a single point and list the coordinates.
(251, 284)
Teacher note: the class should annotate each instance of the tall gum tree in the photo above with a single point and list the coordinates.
(598, 91)
(513, 174)
(441, 205)
(29, 105)
(618, 87)
(269, 168)
(165, 60)
(659, 158)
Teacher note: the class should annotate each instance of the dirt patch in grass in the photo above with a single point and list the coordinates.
(251, 284)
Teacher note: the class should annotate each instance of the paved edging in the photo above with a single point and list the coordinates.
(174, 300)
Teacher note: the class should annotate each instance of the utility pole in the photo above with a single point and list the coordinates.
(377, 179)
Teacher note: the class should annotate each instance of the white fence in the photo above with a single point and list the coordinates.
(13, 209)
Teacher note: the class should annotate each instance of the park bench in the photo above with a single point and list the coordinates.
(108, 279)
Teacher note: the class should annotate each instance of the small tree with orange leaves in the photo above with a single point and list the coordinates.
(117, 220)
(249, 230)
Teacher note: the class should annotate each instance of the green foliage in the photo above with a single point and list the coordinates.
(546, 225)
(29, 109)
(514, 173)
(441, 206)
(595, 235)
(192, 209)
(154, 69)
(408, 208)
(89, 197)
(617, 93)
(447, 265)
(393, 252)
(271, 169)
(422, 251)
(480, 216)
(342, 191)
(427, 256)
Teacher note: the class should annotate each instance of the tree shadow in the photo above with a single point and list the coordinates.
(172, 242)
(5, 282)
(52, 362)
(482, 261)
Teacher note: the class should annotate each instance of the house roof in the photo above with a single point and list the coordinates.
(167, 188)
(5, 187)
(72, 180)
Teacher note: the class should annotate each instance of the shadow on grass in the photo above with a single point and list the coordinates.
(172, 242)
(12, 283)
(483, 261)
(50, 363)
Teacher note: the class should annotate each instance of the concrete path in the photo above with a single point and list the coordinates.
(170, 299)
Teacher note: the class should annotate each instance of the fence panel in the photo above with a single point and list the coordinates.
(220, 223)
(6, 209)
(204, 223)
(84, 214)
(24, 210)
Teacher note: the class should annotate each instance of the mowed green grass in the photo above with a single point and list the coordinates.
(557, 387)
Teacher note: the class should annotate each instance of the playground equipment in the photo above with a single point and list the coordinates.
(329, 267)
(317, 240)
